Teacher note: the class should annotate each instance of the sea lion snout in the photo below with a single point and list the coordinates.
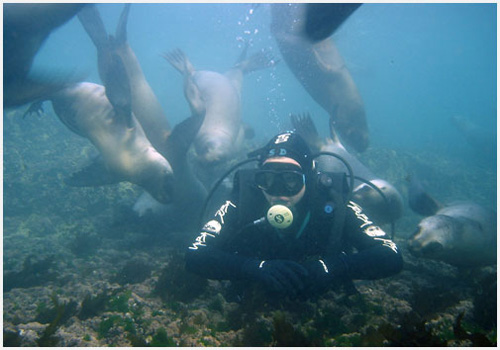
(212, 152)
(424, 248)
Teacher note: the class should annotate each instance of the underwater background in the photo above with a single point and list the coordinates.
(81, 270)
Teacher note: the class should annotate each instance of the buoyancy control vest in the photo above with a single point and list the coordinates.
(327, 191)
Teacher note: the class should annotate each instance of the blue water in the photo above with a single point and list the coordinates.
(415, 66)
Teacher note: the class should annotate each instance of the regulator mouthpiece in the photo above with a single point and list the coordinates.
(279, 216)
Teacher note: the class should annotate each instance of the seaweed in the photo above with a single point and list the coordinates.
(476, 338)
(84, 243)
(256, 334)
(115, 301)
(46, 315)
(429, 301)
(32, 274)
(411, 331)
(285, 334)
(177, 284)
(106, 325)
(11, 338)
(134, 271)
(119, 302)
(485, 302)
(61, 313)
(92, 306)
(161, 338)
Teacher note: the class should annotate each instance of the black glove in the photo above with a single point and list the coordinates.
(281, 276)
(319, 275)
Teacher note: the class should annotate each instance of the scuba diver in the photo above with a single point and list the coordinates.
(291, 229)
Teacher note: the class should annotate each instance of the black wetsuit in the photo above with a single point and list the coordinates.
(356, 250)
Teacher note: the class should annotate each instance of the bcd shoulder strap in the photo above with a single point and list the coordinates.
(333, 188)
(248, 196)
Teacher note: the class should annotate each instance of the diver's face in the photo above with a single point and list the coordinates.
(282, 181)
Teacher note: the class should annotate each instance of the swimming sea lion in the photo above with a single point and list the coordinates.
(381, 210)
(322, 72)
(218, 97)
(483, 139)
(145, 105)
(323, 19)
(462, 234)
(125, 152)
(25, 29)
(188, 192)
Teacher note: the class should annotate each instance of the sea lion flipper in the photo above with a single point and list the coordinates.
(118, 89)
(121, 28)
(91, 21)
(178, 59)
(35, 108)
(36, 87)
(181, 138)
(304, 126)
(419, 200)
(323, 19)
(93, 175)
(259, 60)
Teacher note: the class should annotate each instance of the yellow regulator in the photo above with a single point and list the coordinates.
(280, 216)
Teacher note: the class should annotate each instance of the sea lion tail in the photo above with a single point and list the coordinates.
(121, 28)
(322, 20)
(181, 138)
(91, 21)
(178, 59)
(304, 126)
(260, 60)
(333, 134)
(37, 87)
(117, 86)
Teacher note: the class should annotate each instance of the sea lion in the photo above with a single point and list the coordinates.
(188, 192)
(25, 29)
(322, 72)
(463, 234)
(218, 97)
(483, 139)
(382, 209)
(323, 19)
(103, 115)
(145, 104)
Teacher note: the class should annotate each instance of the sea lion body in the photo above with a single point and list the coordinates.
(217, 97)
(26, 26)
(219, 134)
(145, 105)
(321, 70)
(462, 234)
(126, 151)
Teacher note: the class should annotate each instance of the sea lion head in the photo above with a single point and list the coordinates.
(434, 238)
(157, 178)
(382, 210)
(213, 150)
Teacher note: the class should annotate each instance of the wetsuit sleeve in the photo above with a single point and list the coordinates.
(377, 256)
(206, 257)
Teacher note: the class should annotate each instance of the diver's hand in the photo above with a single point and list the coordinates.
(281, 276)
(319, 275)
